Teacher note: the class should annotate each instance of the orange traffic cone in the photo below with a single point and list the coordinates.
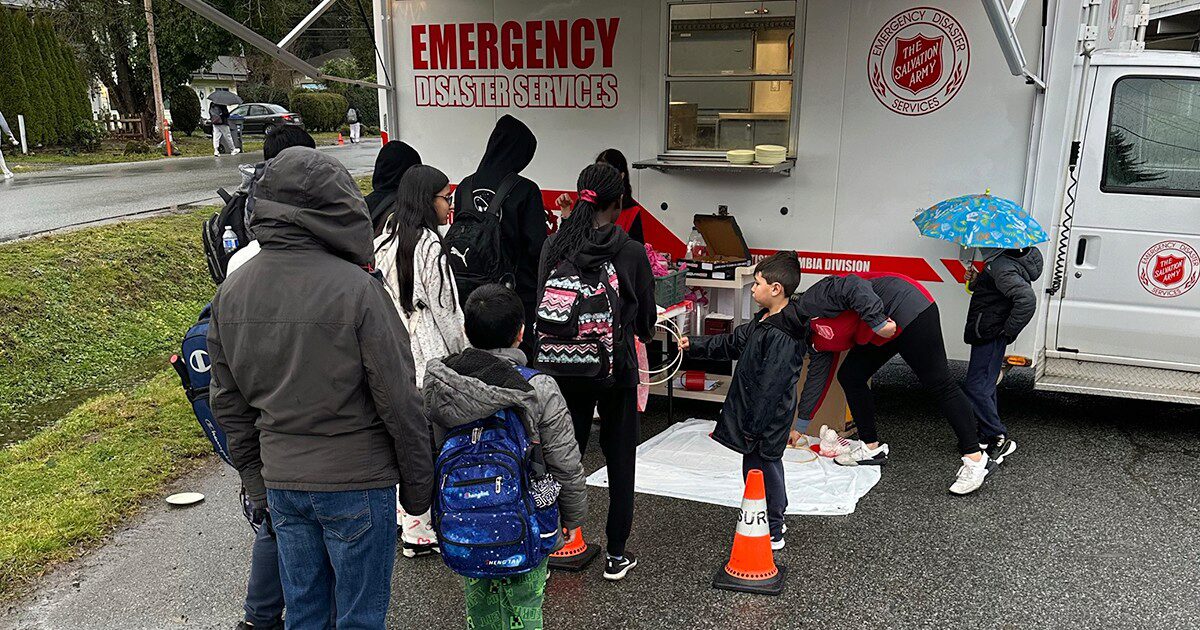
(575, 555)
(341, 140)
(751, 567)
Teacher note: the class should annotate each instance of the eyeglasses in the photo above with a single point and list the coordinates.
(449, 198)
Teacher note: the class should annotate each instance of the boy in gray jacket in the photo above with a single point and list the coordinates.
(477, 383)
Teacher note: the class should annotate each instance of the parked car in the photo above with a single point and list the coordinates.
(259, 118)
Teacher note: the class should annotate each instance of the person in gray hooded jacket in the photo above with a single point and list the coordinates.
(314, 385)
(1002, 305)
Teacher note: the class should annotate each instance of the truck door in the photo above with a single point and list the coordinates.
(1129, 292)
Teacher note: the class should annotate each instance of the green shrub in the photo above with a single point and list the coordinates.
(185, 109)
(86, 136)
(321, 111)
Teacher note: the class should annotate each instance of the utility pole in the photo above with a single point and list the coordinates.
(160, 113)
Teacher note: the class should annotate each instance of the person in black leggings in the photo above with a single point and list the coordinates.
(589, 239)
(890, 315)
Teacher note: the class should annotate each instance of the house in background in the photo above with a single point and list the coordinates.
(225, 74)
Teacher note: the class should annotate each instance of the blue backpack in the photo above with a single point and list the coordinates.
(495, 509)
(194, 369)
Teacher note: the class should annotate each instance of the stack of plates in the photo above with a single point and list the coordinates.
(770, 154)
(740, 156)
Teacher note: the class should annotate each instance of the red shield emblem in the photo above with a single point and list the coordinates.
(917, 64)
(1168, 269)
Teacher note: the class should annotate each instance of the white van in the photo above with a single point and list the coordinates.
(885, 108)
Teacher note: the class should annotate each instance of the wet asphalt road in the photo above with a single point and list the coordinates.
(49, 200)
(1093, 523)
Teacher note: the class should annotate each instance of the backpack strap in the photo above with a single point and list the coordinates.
(506, 186)
(527, 372)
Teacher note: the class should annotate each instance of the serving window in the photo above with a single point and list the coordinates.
(729, 75)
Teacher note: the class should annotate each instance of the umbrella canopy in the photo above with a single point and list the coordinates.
(224, 97)
(981, 221)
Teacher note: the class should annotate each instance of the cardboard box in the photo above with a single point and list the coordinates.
(832, 411)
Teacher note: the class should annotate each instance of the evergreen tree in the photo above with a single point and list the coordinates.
(1121, 167)
(57, 115)
(36, 125)
(14, 97)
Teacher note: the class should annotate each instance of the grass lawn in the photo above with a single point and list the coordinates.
(93, 310)
(113, 152)
(71, 485)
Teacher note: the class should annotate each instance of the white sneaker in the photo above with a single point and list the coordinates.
(833, 444)
(236, 151)
(8, 175)
(970, 475)
(862, 455)
(216, 154)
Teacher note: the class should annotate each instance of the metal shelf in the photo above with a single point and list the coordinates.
(664, 164)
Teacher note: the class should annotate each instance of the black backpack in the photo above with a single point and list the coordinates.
(232, 214)
(473, 243)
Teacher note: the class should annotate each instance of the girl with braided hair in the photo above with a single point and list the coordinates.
(589, 239)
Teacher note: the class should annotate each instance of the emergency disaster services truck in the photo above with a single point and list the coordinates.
(886, 107)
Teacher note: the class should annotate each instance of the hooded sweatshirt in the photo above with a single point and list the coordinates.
(523, 216)
(312, 379)
(1002, 298)
(474, 384)
(635, 291)
(757, 414)
(393, 161)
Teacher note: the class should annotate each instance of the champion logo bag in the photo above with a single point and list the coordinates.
(576, 323)
(195, 372)
(495, 509)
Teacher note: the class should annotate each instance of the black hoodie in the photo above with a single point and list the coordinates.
(393, 161)
(636, 290)
(757, 414)
(523, 216)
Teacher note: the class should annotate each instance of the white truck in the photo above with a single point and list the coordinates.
(886, 107)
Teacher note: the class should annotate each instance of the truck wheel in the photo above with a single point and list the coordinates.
(268, 130)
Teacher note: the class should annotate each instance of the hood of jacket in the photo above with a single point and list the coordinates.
(790, 320)
(474, 384)
(509, 150)
(393, 161)
(602, 245)
(307, 200)
(1029, 260)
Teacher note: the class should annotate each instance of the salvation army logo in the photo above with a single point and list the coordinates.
(918, 61)
(1169, 269)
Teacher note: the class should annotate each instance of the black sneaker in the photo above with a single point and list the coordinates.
(1000, 447)
(616, 568)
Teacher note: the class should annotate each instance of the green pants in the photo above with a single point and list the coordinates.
(506, 604)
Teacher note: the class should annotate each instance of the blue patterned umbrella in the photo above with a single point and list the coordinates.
(981, 221)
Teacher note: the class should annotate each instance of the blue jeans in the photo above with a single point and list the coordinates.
(336, 552)
(986, 361)
(264, 593)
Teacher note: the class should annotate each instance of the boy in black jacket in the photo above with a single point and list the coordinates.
(757, 416)
(1002, 304)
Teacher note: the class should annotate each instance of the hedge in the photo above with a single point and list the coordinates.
(41, 80)
(185, 110)
(321, 111)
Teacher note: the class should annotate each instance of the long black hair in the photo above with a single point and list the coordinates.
(616, 159)
(599, 187)
(414, 213)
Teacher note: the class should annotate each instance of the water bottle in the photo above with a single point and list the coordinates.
(229, 240)
(697, 248)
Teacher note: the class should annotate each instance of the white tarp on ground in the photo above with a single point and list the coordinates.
(683, 462)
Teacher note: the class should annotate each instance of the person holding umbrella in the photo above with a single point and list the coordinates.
(1002, 297)
(218, 115)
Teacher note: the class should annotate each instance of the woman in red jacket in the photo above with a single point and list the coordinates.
(875, 317)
